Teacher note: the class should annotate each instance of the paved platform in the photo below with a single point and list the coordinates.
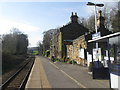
(46, 74)
(80, 74)
(37, 78)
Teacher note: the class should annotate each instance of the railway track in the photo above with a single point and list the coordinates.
(19, 79)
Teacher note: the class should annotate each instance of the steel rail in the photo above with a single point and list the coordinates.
(7, 82)
(22, 86)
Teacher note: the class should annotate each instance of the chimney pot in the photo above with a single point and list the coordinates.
(76, 14)
(72, 13)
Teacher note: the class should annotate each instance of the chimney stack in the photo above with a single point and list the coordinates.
(74, 18)
(101, 20)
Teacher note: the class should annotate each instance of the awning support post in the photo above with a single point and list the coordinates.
(109, 61)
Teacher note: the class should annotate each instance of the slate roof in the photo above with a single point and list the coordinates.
(72, 31)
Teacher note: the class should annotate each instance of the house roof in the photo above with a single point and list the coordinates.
(73, 30)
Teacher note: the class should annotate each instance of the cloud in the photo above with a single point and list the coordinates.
(34, 34)
(6, 25)
(33, 39)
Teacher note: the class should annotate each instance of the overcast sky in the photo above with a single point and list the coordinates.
(33, 18)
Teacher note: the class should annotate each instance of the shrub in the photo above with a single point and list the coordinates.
(67, 59)
(10, 62)
(47, 53)
(57, 59)
(70, 62)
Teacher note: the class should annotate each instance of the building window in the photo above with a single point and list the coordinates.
(115, 53)
(115, 49)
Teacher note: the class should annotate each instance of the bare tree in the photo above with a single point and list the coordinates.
(47, 39)
(40, 47)
(115, 18)
(15, 42)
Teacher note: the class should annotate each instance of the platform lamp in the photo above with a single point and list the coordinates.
(95, 5)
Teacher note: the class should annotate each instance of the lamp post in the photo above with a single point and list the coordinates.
(99, 5)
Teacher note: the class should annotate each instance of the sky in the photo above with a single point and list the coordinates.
(33, 18)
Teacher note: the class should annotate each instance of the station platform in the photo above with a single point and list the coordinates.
(37, 78)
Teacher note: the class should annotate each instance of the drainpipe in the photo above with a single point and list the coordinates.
(72, 53)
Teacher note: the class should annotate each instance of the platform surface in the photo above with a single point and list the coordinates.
(48, 74)
(37, 78)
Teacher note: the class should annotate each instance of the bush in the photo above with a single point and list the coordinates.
(57, 59)
(48, 53)
(74, 62)
(10, 62)
(67, 59)
(70, 62)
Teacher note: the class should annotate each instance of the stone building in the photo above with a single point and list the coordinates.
(71, 40)
(66, 33)
(80, 50)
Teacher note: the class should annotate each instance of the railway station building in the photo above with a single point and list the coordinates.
(71, 41)
(68, 32)
(81, 51)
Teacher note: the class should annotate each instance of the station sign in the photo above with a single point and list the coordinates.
(96, 35)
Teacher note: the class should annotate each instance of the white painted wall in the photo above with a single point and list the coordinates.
(115, 81)
(81, 53)
(89, 59)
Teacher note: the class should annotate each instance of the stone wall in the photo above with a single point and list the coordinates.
(69, 51)
(77, 43)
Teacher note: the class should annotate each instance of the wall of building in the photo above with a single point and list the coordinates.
(69, 51)
(77, 44)
(59, 45)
